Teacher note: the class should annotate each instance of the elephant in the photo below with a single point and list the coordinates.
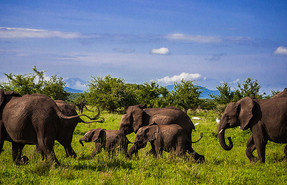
(138, 116)
(163, 138)
(31, 119)
(266, 118)
(67, 127)
(107, 139)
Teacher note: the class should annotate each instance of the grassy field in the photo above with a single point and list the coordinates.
(221, 167)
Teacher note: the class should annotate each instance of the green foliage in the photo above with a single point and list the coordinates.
(248, 88)
(221, 167)
(111, 94)
(186, 95)
(226, 95)
(36, 83)
(54, 88)
(151, 94)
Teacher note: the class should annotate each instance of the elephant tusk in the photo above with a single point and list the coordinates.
(220, 131)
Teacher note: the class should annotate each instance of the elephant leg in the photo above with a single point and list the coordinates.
(250, 148)
(285, 151)
(98, 148)
(46, 147)
(260, 141)
(17, 152)
(70, 151)
(38, 150)
(197, 157)
(152, 150)
(2, 136)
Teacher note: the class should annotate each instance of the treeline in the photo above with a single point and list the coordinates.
(115, 95)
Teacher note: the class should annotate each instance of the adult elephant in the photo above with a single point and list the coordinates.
(30, 119)
(138, 116)
(267, 120)
(67, 126)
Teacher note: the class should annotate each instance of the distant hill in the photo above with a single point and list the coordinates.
(74, 82)
(204, 94)
(70, 90)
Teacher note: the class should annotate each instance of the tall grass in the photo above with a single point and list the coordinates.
(221, 167)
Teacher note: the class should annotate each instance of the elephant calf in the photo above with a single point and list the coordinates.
(107, 139)
(162, 137)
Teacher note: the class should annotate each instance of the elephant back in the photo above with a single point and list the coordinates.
(168, 116)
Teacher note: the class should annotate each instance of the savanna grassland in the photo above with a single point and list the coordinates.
(221, 167)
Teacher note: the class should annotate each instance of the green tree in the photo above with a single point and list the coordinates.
(36, 83)
(151, 93)
(54, 88)
(225, 94)
(186, 95)
(110, 93)
(250, 88)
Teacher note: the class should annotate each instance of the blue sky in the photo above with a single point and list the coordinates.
(142, 40)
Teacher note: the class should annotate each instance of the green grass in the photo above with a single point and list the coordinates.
(221, 167)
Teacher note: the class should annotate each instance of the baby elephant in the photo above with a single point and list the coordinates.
(107, 139)
(162, 137)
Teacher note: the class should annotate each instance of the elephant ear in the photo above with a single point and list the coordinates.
(98, 134)
(1, 97)
(153, 132)
(137, 116)
(245, 109)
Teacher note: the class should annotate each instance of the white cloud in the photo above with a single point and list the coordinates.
(36, 33)
(178, 78)
(193, 38)
(160, 51)
(79, 85)
(281, 51)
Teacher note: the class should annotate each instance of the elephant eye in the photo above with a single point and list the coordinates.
(227, 118)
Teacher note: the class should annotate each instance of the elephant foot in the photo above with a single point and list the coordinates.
(151, 152)
(198, 158)
(24, 160)
(253, 159)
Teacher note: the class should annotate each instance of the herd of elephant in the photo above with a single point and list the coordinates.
(38, 120)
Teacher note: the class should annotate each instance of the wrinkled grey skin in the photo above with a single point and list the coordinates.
(267, 120)
(169, 138)
(30, 119)
(107, 139)
(138, 116)
(67, 127)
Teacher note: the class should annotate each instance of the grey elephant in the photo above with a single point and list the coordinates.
(65, 135)
(107, 139)
(138, 116)
(30, 119)
(267, 120)
(169, 138)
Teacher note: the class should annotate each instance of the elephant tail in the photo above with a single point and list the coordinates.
(61, 115)
(201, 135)
(94, 121)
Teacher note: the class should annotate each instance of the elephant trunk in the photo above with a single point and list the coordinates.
(81, 141)
(132, 150)
(222, 142)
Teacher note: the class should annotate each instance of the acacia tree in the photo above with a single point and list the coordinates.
(110, 93)
(225, 94)
(151, 94)
(249, 88)
(186, 95)
(36, 83)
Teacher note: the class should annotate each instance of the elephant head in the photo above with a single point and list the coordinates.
(133, 119)
(4, 95)
(94, 135)
(144, 135)
(236, 114)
